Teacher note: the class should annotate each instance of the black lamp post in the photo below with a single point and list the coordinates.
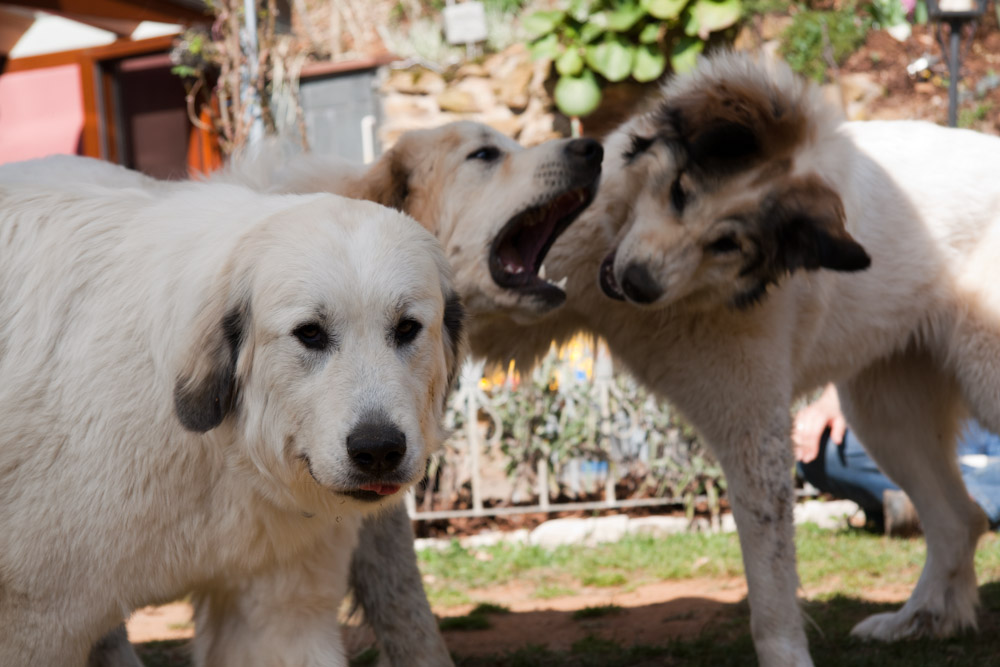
(957, 14)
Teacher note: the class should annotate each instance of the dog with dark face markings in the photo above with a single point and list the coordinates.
(755, 246)
(200, 385)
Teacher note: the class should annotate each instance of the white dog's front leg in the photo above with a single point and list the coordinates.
(286, 615)
(757, 465)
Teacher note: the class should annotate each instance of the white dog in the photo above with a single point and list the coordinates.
(200, 386)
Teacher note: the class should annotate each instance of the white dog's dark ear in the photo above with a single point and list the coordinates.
(206, 388)
(802, 226)
(454, 335)
(387, 182)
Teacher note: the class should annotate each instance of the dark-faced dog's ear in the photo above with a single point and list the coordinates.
(205, 390)
(387, 182)
(803, 225)
(453, 331)
(730, 126)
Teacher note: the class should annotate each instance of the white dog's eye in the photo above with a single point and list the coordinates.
(486, 154)
(312, 336)
(406, 331)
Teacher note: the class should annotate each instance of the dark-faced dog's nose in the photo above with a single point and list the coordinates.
(376, 447)
(583, 153)
(639, 286)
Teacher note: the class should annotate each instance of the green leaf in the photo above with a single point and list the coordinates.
(650, 62)
(684, 55)
(543, 23)
(577, 95)
(570, 63)
(590, 31)
(649, 33)
(611, 58)
(580, 10)
(713, 15)
(664, 9)
(183, 70)
(546, 47)
(623, 18)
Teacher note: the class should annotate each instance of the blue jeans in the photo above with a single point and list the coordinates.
(846, 471)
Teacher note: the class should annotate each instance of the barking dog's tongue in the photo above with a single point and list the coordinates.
(381, 489)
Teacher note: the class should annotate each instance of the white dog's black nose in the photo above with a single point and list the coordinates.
(638, 285)
(583, 153)
(376, 447)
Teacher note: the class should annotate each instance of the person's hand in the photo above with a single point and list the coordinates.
(810, 422)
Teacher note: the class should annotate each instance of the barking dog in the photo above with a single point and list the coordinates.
(198, 387)
(765, 247)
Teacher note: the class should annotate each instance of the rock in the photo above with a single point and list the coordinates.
(471, 69)
(658, 526)
(415, 81)
(501, 118)
(396, 105)
(773, 25)
(513, 89)
(459, 101)
(597, 530)
(858, 91)
(833, 514)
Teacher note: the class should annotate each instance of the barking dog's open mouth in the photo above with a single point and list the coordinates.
(517, 252)
(607, 279)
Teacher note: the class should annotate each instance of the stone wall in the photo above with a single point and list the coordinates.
(506, 91)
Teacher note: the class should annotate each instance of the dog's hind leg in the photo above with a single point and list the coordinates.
(388, 587)
(905, 410)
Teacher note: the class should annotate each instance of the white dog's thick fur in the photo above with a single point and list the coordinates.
(191, 384)
(744, 216)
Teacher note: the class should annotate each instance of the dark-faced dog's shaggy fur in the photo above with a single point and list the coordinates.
(755, 246)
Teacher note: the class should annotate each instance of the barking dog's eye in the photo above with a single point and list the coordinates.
(406, 331)
(312, 336)
(486, 154)
(639, 145)
(723, 245)
(677, 196)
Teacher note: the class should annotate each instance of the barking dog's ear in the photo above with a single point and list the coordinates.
(803, 223)
(205, 390)
(387, 182)
(454, 325)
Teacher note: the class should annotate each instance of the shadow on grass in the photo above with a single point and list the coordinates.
(723, 639)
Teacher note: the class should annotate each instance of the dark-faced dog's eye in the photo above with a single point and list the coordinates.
(312, 336)
(638, 146)
(406, 331)
(486, 154)
(723, 245)
(677, 195)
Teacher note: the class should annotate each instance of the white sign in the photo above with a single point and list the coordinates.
(465, 23)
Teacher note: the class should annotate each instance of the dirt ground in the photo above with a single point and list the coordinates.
(651, 614)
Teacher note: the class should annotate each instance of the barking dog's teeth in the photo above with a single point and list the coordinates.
(514, 269)
(562, 283)
(541, 272)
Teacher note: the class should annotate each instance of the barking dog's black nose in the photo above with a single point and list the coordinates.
(376, 447)
(584, 153)
(639, 286)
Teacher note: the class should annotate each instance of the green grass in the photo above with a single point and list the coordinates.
(598, 611)
(477, 619)
(969, 117)
(848, 561)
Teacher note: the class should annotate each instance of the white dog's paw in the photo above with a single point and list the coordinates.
(928, 621)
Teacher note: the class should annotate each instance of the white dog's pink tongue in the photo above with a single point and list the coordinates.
(381, 489)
